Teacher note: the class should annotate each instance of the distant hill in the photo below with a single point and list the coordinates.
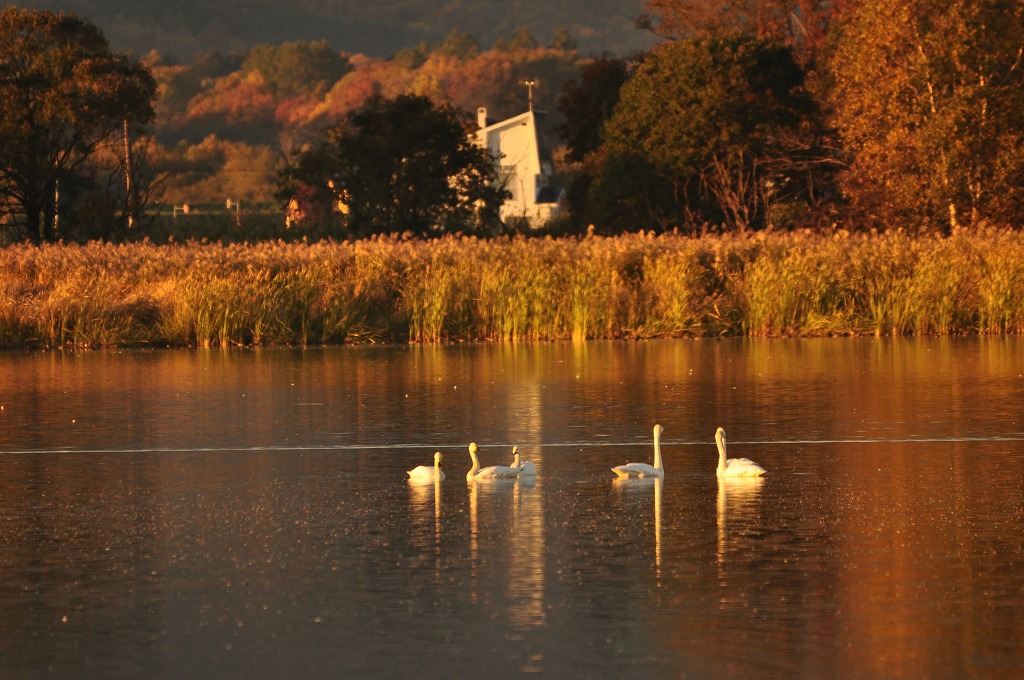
(185, 28)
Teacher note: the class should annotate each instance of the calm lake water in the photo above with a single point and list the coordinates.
(245, 514)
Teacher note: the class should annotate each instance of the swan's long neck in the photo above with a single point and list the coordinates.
(657, 449)
(476, 464)
(720, 440)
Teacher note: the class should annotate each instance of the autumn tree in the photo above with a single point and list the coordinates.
(929, 101)
(711, 130)
(801, 24)
(216, 170)
(402, 164)
(63, 95)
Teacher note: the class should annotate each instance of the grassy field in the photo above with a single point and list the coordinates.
(468, 289)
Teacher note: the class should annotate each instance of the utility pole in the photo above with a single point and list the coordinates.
(130, 204)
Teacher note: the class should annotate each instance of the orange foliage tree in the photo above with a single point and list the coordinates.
(802, 24)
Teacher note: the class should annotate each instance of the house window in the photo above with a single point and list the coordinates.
(511, 180)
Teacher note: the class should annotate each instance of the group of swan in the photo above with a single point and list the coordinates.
(734, 467)
(727, 467)
(518, 468)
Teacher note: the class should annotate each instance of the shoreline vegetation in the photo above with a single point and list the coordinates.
(454, 289)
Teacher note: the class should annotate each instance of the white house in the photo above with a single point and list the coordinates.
(526, 167)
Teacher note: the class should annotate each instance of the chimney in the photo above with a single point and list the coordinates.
(481, 117)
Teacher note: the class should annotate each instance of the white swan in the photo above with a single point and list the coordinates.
(643, 469)
(734, 467)
(526, 467)
(428, 473)
(492, 472)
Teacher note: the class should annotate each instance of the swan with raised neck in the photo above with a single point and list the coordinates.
(492, 472)
(526, 467)
(734, 467)
(643, 469)
(428, 473)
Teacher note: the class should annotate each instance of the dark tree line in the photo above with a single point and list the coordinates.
(396, 165)
(750, 115)
(67, 107)
(797, 113)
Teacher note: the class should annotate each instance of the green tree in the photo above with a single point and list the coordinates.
(928, 98)
(460, 45)
(298, 67)
(411, 58)
(63, 95)
(712, 130)
(563, 40)
(521, 39)
(399, 165)
(585, 103)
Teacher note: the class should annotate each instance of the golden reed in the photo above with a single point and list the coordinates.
(511, 289)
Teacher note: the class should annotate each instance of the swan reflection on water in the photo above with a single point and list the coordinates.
(527, 550)
(420, 495)
(738, 502)
(506, 516)
(641, 485)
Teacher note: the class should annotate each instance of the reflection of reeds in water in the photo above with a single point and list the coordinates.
(738, 500)
(656, 485)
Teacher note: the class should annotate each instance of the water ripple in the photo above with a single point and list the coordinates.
(1013, 437)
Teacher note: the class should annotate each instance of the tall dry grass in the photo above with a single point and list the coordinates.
(513, 289)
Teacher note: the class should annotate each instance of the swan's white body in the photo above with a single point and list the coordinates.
(428, 473)
(643, 469)
(526, 467)
(734, 467)
(492, 472)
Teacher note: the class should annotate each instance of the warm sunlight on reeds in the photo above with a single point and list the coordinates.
(513, 289)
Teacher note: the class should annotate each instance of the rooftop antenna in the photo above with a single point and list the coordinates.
(530, 84)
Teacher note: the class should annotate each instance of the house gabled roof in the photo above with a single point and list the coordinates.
(507, 123)
(539, 129)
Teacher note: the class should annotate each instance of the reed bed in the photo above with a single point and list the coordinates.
(515, 289)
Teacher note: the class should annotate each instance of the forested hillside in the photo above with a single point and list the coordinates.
(185, 28)
(226, 123)
(738, 120)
